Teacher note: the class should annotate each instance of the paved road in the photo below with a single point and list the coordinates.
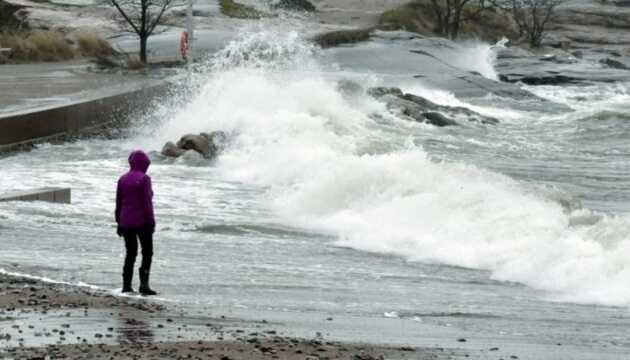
(29, 86)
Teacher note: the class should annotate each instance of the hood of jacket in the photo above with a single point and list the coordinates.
(139, 161)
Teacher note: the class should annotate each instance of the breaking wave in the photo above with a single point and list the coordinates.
(345, 166)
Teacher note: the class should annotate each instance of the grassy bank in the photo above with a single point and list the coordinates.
(51, 45)
(339, 37)
(418, 16)
(237, 10)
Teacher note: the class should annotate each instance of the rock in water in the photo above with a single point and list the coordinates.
(216, 141)
(171, 150)
(208, 145)
(615, 64)
(349, 87)
(423, 110)
(378, 92)
(295, 5)
(437, 119)
(198, 143)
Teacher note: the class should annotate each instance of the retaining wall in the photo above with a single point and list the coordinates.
(54, 195)
(22, 128)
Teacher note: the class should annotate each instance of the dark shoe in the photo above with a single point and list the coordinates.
(144, 283)
(127, 289)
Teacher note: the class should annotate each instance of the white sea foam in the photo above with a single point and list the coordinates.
(477, 56)
(329, 166)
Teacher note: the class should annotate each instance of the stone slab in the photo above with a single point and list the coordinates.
(21, 128)
(49, 194)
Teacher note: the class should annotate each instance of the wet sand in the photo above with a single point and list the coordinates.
(42, 320)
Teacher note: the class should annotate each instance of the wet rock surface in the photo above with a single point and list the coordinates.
(422, 110)
(208, 145)
(587, 42)
(403, 57)
(295, 5)
(516, 66)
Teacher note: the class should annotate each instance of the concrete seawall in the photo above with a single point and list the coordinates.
(22, 128)
(54, 195)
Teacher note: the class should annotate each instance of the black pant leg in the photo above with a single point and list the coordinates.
(131, 245)
(146, 241)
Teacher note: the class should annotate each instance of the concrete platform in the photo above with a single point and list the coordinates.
(43, 124)
(53, 195)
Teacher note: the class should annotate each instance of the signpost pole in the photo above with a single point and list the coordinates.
(190, 28)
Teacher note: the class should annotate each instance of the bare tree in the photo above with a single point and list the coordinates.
(450, 14)
(531, 16)
(142, 17)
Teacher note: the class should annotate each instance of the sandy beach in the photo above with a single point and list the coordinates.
(43, 320)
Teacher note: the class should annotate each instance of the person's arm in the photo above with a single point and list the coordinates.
(118, 203)
(148, 206)
(119, 230)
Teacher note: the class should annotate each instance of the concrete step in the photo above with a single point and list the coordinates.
(48, 194)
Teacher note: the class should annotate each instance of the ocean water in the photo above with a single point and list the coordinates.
(324, 202)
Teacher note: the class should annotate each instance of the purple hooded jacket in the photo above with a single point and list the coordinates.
(134, 195)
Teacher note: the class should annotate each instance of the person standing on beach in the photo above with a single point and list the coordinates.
(135, 219)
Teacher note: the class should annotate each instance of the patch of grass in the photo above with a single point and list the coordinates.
(92, 45)
(418, 16)
(134, 63)
(335, 38)
(237, 10)
(491, 24)
(52, 45)
(37, 46)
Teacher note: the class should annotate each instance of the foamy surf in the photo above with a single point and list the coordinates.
(330, 166)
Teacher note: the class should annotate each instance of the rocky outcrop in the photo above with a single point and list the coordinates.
(11, 18)
(171, 150)
(438, 119)
(207, 145)
(419, 109)
(615, 64)
(295, 5)
(198, 143)
(558, 67)
(589, 26)
(539, 78)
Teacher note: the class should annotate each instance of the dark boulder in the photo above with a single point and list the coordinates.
(171, 150)
(295, 5)
(216, 141)
(198, 143)
(423, 110)
(615, 64)
(349, 87)
(539, 78)
(378, 92)
(417, 112)
(578, 54)
(437, 119)
(208, 145)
